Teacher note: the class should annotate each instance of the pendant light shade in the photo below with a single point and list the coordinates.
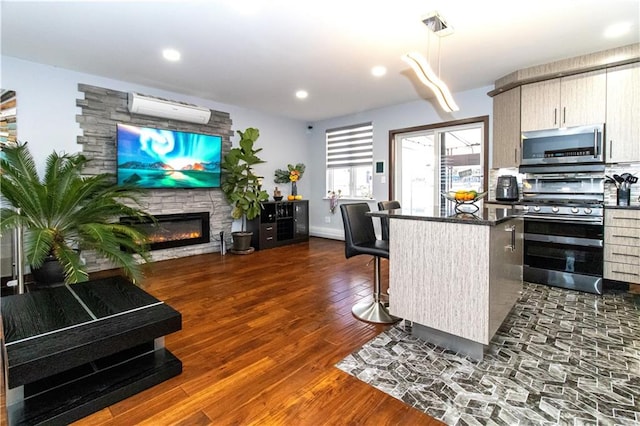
(436, 24)
(426, 75)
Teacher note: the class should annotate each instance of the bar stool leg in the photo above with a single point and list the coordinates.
(375, 311)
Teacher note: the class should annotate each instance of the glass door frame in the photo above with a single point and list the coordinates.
(393, 135)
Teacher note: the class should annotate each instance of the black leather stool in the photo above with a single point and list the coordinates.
(360, 238)
(384, 221)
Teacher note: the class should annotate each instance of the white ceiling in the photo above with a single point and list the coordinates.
(257, 54)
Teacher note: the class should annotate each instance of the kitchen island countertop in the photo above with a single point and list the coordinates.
(486, 215)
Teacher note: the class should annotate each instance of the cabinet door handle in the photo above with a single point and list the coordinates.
(511, 229)
(624, 273)
(269, 238)
(555, 116)
(269, 228)
(515, 155)
(624, 254)
(564, 115)
(626, 236)
(610, 148)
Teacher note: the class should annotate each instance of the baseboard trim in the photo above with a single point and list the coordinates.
(330, 233)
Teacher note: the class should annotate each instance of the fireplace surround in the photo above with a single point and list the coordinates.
(174, 230)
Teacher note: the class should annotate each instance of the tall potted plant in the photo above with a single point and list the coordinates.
(242, 186)
(65, 212)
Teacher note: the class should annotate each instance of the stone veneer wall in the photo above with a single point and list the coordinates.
(101, 110)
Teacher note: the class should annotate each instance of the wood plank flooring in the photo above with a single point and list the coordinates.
(260, 336)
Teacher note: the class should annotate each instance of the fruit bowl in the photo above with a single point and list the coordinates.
(461, 202)
(451, 196)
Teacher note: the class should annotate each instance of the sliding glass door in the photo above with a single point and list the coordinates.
(427, 162)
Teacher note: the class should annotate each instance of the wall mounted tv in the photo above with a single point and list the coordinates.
(158, 158)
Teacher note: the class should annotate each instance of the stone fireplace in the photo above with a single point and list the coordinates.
(174, 230)
(101, 110)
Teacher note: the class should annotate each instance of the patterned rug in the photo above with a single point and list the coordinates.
(560, 358)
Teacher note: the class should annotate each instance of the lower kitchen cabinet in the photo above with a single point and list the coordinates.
(622, 245)
(280, 223)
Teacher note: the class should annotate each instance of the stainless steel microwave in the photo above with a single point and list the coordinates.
(580, 144)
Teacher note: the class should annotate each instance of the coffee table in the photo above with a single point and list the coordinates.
(74, 349)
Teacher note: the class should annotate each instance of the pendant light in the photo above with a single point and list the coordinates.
(423, 70)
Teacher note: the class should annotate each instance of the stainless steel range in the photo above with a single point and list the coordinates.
(564, 225)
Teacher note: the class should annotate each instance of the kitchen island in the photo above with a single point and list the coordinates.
(454, 276)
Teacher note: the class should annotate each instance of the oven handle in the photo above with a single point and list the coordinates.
(559, 219)
(582, 242)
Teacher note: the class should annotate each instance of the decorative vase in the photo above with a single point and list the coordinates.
(51, 272)
(294, 188)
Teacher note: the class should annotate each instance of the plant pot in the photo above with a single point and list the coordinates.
(50, 272)
(242, 241)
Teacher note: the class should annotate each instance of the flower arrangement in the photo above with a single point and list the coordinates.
(292, 174)
(333, 200)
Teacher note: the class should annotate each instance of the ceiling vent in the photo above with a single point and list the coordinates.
(155, 107)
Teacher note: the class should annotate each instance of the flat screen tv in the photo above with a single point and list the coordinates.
(157, 158)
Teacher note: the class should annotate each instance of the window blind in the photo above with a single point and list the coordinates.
(350, 146)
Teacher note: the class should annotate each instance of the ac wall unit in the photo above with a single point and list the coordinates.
(154, 107)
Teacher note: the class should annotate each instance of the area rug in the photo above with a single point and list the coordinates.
(560, 358)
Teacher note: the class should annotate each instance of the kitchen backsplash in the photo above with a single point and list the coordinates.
(610, 191)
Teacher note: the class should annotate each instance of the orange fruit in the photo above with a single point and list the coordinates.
(291, 198)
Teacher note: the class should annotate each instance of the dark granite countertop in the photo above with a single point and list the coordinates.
(486, 215)
(631, 207)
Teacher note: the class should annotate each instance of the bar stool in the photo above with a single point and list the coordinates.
(384, 221)
(360, 238)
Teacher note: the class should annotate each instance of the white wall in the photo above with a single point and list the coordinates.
(46, 105)
(472, 103)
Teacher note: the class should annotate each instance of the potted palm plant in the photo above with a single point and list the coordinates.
(65, 212)
(242, 186)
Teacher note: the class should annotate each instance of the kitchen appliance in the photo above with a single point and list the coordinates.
(564, 226)
(580, 144)
(507, 188)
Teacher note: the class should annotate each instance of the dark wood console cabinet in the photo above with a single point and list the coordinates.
(280, 223)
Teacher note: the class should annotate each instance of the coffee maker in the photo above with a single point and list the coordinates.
(507, 188)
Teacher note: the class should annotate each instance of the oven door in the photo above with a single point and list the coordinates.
(566, 254)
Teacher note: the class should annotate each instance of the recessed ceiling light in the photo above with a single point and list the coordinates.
(378, 71)
(302, 94)
(617, 30)
(171, 55)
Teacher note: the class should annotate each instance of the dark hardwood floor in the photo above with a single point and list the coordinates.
(260, 336)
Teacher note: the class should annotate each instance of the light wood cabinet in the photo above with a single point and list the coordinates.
(442, 295)
(506, 129)
(622, 245)
(623, 114)
(564, 102)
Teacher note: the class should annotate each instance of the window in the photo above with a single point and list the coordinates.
(350, 160)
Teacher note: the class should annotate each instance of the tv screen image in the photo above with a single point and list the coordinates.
(158, 158)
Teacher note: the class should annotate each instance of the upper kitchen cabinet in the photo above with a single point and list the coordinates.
(623, 114)
(506, 129)
(564, 102)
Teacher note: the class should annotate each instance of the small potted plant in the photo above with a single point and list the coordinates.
(242, 186)
(293, 174)
(65, 212)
